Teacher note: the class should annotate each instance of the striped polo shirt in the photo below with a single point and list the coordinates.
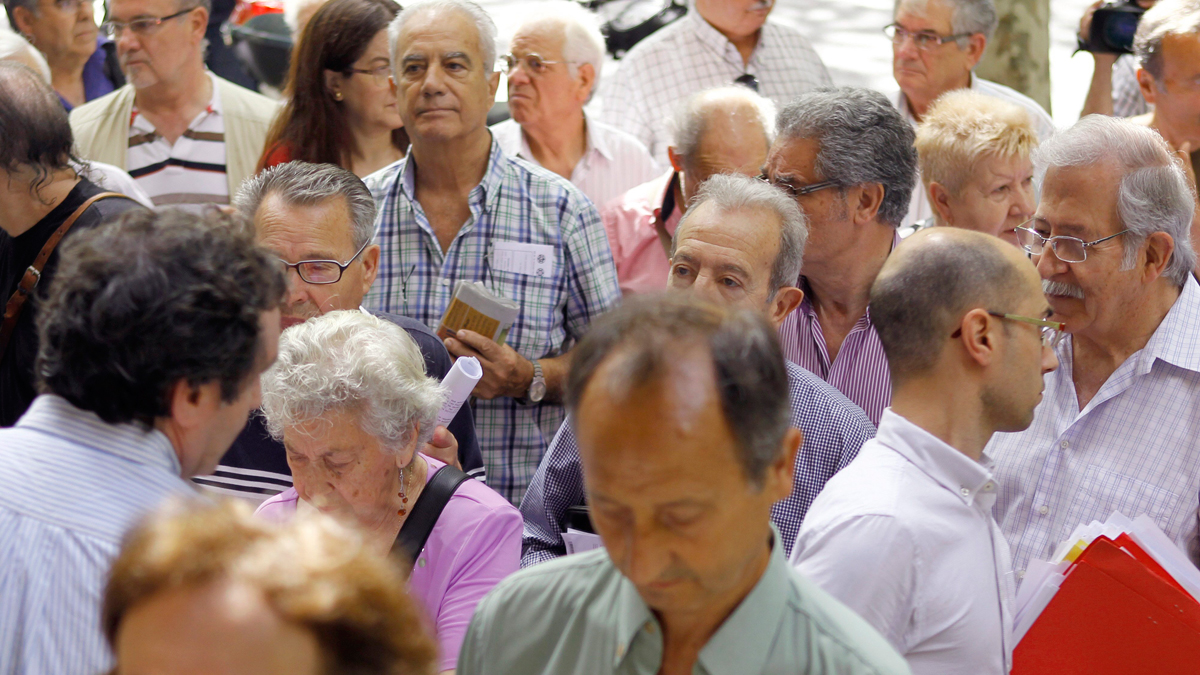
(188, 174)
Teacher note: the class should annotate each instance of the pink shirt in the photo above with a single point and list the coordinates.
(475, 544)
(642, 264)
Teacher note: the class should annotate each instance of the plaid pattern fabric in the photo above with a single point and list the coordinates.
(689, 56)
(834, 429)
(1126, 92)
(515, 202)
(1134, 448)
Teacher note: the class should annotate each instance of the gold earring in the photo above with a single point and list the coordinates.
(337, 95)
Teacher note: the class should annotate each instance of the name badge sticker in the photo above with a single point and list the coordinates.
(536, 260)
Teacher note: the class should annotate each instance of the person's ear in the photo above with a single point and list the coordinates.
(586, 79)
(493, 86)
(1158, 248)
(333, 84)
(370, 258)
(864, 201)
(23, 22)
(786, 300)
(199, 19)
(1146, 84)
(977, 338)
(939, 198)
(976, 45)
(781, 472)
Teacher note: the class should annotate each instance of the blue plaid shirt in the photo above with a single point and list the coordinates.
(515, 202)
(834, 429)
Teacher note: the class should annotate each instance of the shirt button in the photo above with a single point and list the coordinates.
(1021, 574)
(989, 486)
(421, 562)
(1064, 445)
(445, 282)
(1044, 510)
(966, 492)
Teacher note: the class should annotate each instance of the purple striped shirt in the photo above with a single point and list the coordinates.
(860, 370)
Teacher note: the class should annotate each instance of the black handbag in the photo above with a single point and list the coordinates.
(426, 511)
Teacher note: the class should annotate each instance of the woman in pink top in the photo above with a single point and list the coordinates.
(349, 398)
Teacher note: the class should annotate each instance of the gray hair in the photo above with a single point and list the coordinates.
(352, 361)
(691, 119)
(484, 26)
(967, 16)
(644, 336)
(302, 184)
(1154, 194)
(582, 40)
(735, 192)
(863, 139)
(13, 47)
(1167, 17)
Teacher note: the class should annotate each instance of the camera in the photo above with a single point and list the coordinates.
(1113, 27)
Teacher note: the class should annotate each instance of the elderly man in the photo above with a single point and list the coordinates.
(973, 152)
(153, 338)
(83, 64)
(318, 219)
(905, 536)
(459, 209)
(41, 192)
(935, 46)
(846, 156)
(740, 244)
(553, 69)
(722, 130)
(188, 137)
(1117, 428)
(682, 415)
(718, 42)
(1168, 48)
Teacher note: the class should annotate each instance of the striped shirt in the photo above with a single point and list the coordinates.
(689, 56)
(70, 487)
(520, 205)
(834, 429)
(860, 370)
(1134, 448)
(188, 174)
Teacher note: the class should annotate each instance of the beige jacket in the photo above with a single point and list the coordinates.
(101, 128)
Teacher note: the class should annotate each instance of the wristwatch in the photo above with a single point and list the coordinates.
(537, 388)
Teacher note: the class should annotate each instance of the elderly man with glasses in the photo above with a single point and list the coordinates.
(553, 70)
(83, 63)
(1117, 429)
(936, 45)
(188, 137)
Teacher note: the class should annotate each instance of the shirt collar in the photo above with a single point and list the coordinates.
(487, 188)
(970, 480)
(57, 416)
(716, 41)
(1174, 341)
(596, 140)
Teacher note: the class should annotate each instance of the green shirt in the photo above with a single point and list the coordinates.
(578, 614)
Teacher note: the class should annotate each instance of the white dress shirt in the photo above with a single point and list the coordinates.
(613, 163)
(919, 208)
(905, 537)
(689, 56)
(1135, 447)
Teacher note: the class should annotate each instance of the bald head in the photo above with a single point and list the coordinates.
(935, 277)
(722, 130)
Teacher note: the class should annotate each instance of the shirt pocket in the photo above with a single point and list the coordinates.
(539, 326)
(1104, 491)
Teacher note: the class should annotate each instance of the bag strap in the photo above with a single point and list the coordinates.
(426, 511)
(33, 273)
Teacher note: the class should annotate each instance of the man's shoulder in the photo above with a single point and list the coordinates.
(238, 101)
(812, 394)
(380, 182)
(431, 346)
(101, 107)
(508, 135)
(846, 495)
(563, 587)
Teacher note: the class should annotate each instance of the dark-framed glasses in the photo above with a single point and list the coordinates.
(1068, 249)
(1052, 331)
(797, 190)
(379, 73)
(923, 39)
(321, 271)
(534, 63)
(142, 25)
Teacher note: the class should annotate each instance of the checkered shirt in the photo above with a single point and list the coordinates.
(515, 202)
(834, 429)
(1126, 92)
(689, 56)
(1134, 448)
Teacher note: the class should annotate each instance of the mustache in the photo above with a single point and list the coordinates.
(1061, 288)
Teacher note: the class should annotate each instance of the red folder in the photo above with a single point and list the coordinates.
(1113, 614)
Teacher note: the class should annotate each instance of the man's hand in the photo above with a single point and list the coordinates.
(505, 372)
(443, 446)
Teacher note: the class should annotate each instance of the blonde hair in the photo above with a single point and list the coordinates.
(964, 126)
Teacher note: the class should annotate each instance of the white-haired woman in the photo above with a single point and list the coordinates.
(349, 398)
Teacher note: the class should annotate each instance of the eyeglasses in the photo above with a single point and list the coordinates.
(748, 81)
(71, 6)
(1052, 331)
(797, 190)
(534, 64)
(924, 40)
(380, 74)
(142, 25)
(321, 271)
(1068, 249)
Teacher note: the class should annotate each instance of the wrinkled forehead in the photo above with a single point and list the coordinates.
(437, 33)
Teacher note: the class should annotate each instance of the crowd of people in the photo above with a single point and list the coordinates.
(801, 378)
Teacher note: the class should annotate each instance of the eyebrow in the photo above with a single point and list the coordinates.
(1069, 227)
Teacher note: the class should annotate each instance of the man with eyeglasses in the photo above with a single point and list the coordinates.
(905, 535)
(319, 219)
(188, 137)
(1118, 427)
(553, 70)
(936, 45)
(83, 63)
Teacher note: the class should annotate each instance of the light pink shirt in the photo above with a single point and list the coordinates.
(642, 264)
(475, 544)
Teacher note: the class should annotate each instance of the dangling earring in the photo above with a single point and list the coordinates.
(403, 496)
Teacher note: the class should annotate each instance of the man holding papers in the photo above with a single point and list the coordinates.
(905, 535)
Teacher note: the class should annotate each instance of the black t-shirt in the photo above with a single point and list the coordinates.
(16, 254)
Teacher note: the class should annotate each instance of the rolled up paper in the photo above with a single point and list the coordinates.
(459, 384)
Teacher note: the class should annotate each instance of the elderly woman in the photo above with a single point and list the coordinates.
(83, 64)
(974, 157)
(349, 398)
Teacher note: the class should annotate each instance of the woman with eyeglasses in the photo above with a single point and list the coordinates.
(83, 64)
(341, 107)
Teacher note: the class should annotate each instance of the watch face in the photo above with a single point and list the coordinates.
(537, 391)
